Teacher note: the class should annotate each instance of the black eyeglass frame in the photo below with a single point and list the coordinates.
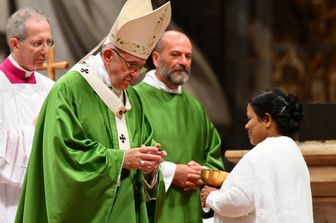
(131, 67)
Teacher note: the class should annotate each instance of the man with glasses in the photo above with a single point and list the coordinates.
(94, 158)
(22, 92)
(182, 127)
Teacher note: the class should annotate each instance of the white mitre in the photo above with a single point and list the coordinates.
(137, 28)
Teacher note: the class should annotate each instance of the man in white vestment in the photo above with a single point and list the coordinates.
(22, 92)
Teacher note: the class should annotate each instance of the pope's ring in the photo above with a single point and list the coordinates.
(142, 163)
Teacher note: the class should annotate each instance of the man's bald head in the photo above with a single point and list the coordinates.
(169, 37)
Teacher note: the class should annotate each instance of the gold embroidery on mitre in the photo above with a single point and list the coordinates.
(138, 48)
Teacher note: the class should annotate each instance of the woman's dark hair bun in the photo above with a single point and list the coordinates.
(286, 110)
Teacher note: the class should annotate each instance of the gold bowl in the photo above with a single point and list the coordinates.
(214, 178)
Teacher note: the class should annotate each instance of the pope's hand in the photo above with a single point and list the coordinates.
(146, 158)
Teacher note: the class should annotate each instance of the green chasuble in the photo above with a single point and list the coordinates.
(75, 166)
(183, 129)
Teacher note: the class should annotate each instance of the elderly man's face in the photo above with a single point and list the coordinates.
(32, 52)
(122, 67)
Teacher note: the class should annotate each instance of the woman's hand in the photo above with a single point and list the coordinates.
(205, 193)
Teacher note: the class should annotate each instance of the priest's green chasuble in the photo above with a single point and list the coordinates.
(75, 172)
(184, 130)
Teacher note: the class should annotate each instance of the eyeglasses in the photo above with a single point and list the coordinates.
(40, 44)
(142, 69)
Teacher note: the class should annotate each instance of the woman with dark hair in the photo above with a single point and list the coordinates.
(271, 182)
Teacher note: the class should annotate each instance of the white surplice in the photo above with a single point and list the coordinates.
(19, 107)
(270, 184)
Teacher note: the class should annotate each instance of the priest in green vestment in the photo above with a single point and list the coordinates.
(93, 158)
(181, 126)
